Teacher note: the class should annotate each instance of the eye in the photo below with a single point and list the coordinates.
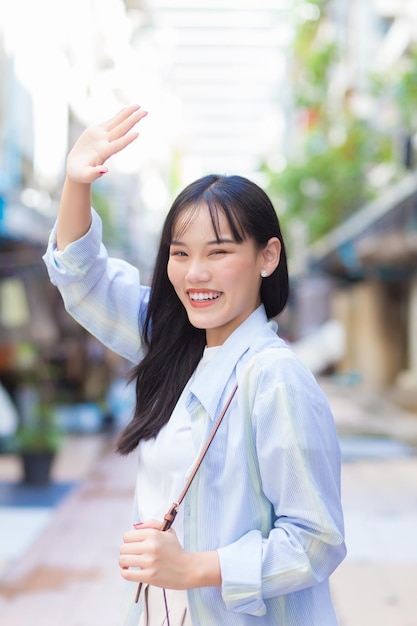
(179, 253)
(221, 250)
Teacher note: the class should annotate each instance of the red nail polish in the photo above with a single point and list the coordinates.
(137, 524)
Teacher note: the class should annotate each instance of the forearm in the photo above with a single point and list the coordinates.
(74, 216)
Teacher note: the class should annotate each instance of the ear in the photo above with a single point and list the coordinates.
(271, 255)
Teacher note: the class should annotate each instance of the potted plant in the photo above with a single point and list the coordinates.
(37, 443)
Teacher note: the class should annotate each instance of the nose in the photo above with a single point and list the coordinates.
(197, 271)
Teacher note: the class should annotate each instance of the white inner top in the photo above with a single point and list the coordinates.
(165, 461)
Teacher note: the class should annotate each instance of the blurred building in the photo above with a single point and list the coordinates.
(228, 70)
(51, 54)
(371, 262)
(212, 76)
(364, 272)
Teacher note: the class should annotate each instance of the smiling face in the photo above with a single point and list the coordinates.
(216, 278)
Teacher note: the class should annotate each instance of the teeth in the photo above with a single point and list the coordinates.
(203, 297)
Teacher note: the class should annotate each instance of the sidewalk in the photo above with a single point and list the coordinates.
(376, 584)
(70, 577)
(362, 412)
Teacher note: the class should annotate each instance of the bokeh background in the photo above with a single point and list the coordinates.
(316, 102)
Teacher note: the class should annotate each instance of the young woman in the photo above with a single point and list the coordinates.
(261, 528)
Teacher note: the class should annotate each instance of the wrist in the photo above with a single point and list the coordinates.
(203, 569)
(74, 217)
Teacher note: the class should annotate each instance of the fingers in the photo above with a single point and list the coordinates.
(126, 124)
(143, 532)
(85, 162)
(120, 116)
(138, 552)
(119, 128)
(151, 523)
(135, 575)
(124, 120)
(152, 556)
(119, 144)
(139, 544)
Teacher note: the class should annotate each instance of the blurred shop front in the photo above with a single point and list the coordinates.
(45, 357)
(371, 261)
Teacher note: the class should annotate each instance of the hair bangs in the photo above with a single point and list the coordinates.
(215, 205)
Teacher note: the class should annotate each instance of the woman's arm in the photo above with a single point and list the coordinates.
(104, 295)
(85, 164)
(296, 454)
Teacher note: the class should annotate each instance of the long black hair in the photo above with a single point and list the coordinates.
(173, 346)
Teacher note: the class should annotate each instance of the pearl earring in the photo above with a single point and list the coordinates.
(264, 273)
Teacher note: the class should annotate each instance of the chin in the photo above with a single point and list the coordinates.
(198, 322)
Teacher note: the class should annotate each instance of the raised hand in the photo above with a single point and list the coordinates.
(86, 161)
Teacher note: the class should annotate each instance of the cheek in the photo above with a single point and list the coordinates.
(173, 273)
(170, 272)
(240, 272)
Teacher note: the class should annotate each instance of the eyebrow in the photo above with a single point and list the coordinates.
(215, 242)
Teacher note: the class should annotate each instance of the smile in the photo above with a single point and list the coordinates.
(201, 296)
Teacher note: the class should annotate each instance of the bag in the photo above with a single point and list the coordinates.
(169, 518)
(164, 606)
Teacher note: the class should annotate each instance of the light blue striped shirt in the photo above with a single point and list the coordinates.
(267, 497)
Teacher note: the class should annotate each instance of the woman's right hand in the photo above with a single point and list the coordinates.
(86, 160)
(86, 163)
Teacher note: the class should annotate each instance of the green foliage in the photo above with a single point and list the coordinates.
(329, 170)
(331, 181)
(102, 205)
(399, 85)
(314, 58)
(40, 433)
(406, 96)
(103, 201)
(313, 79)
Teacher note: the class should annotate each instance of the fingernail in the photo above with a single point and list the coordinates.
(137, 524)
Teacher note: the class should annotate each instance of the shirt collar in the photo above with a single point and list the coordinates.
(208, 388)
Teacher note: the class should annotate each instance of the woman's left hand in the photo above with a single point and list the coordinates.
(156, 557)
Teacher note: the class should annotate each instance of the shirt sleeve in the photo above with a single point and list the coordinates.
(296, 452)
(103, 294)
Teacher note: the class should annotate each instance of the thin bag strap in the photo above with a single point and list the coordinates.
(170, 515)
(205, 449)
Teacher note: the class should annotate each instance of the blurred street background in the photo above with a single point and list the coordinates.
(315, 101)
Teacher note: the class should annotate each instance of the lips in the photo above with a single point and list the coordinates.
(203, 296)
